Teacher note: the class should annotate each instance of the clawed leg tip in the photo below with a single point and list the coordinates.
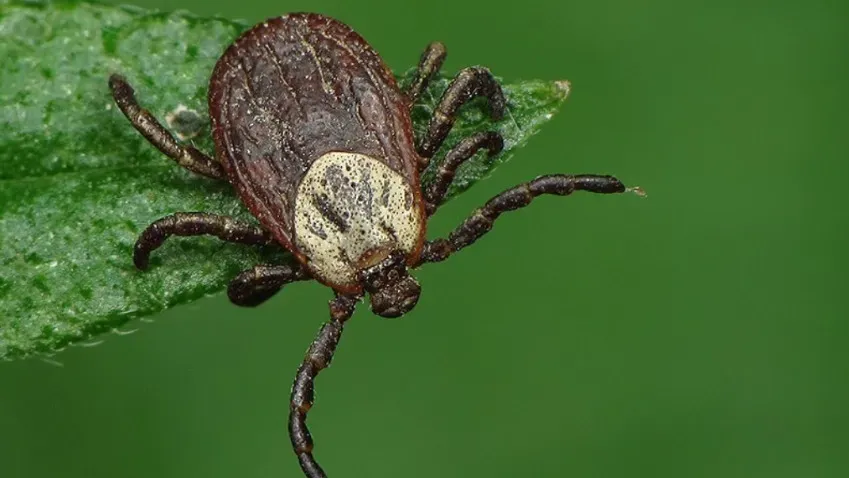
(636, 190)
(141, 263)
(118, 82)
(239, 302)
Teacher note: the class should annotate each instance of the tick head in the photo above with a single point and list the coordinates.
(393, 292)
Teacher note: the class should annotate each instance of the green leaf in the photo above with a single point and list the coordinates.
(78, 183)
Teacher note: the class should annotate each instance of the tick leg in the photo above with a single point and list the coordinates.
(186, 156)
(254, 286)
(469, 83)
(429, 64)
(196, 224)
(318, 358)
(465, 149)
(480, 222)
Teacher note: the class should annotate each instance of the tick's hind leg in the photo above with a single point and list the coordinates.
(469, 83)
(254, 286)
(465, 149)
(196, 224)
(186, 156)
(518, 197)
(429, 64)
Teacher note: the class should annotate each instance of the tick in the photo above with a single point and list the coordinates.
(315, 136)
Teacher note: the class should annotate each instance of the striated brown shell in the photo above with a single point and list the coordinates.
(292, 89)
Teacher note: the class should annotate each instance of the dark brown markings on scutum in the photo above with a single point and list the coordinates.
(316, 229)
(365, 195)
(384, 198)
(343, 189)
(389, 231)
(325, 207)
(335, 177)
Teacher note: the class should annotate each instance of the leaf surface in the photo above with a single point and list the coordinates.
(78, 183)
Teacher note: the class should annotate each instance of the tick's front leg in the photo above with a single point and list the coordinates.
(480, 222)
(317, 359)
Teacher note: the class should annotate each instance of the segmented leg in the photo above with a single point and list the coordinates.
(429, 64)
(465, 149)
(469, 83)
(186, 156)
(254, 286)
(318, 358)
(518, 197)
(196, 224)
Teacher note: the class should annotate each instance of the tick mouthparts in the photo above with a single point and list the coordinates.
(636, 190)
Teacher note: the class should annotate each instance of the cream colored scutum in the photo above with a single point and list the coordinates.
(349, 204)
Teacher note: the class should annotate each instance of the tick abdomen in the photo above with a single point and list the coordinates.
(295, 89)
(349, 208)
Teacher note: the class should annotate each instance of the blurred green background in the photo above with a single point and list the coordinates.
(701, 332)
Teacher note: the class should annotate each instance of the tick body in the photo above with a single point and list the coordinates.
(315, 136)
